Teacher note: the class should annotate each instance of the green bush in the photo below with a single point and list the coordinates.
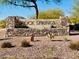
(74, 46)
(25, 44)
(6, 45)
(51, 14)
(2, 24)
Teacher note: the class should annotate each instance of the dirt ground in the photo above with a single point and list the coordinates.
(42, 47)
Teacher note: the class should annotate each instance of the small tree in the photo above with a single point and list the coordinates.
(75, 10)
(51, 14)
(73, 19)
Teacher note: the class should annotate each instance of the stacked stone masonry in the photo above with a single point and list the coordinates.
(60, 30)
(37, 33)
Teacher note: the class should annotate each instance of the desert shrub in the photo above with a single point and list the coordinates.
(50, 35)
(74, 46)
(25, 44)
(55, 58)
(66, 39)
(6, 45)
(2, 23)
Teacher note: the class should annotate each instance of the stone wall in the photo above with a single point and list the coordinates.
(15, 21)
(37, 33)
(38, 27)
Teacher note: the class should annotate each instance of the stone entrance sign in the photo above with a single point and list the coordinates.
(37, 27)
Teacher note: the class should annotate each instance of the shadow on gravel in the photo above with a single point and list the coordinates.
(13, 46)
(60, 40)
(10, 46)
(27, 46)
(5, 39)
(36, 41)
(67, 40)
(56, 40)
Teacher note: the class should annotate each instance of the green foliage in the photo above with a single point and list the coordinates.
(2, 24)
(74, 46)
(75, 11)
(73, 19)
(51, 14)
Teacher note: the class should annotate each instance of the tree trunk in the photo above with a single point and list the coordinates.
(36, 8)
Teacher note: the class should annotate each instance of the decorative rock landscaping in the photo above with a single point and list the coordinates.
(43, 49)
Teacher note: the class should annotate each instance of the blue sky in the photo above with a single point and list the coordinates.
(11, 10)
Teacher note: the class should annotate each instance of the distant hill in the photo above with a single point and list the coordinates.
(18, 17)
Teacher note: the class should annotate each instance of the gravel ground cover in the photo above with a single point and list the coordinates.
(42, 48)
